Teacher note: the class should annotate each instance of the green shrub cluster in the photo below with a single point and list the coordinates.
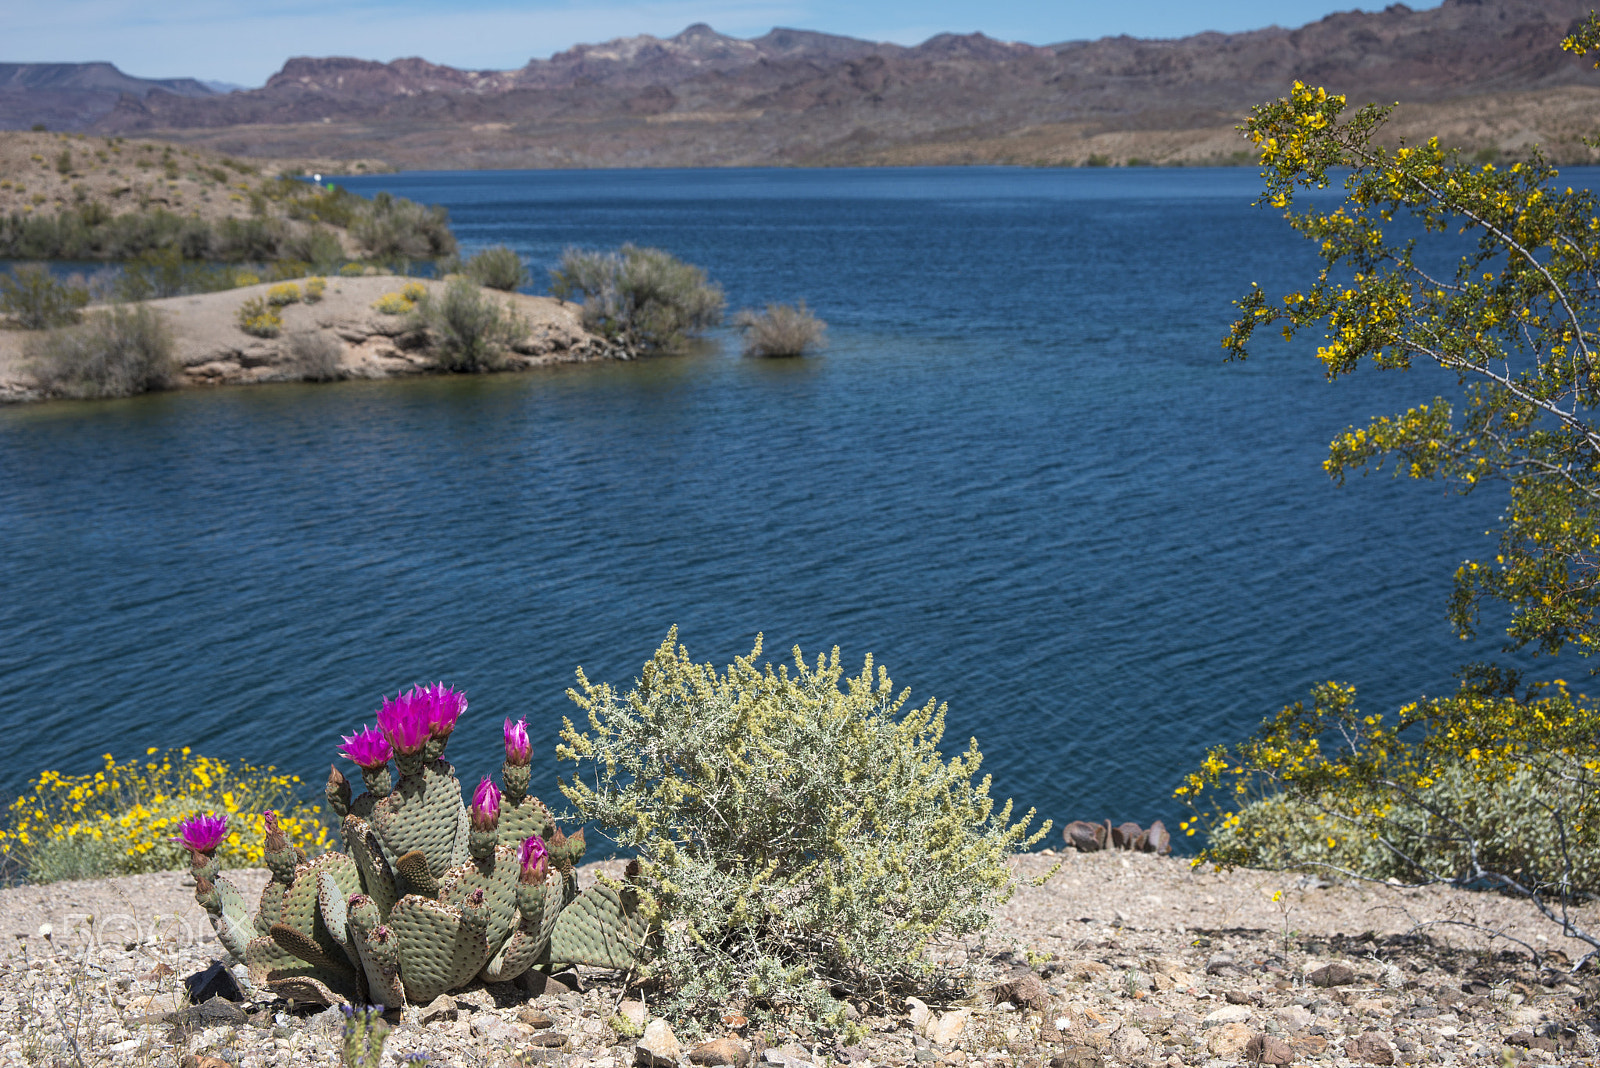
(467, 329)
(781, 330)
(802, 836)
(114, 353)
(645, 298)
(497, 267)
(36, 300)
(392, 230)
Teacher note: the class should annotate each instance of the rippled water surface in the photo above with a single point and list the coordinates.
(1021, 477)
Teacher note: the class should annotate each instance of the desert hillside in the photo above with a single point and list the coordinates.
(1490, 72)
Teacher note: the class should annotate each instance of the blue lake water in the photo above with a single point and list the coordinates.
(1021, 477)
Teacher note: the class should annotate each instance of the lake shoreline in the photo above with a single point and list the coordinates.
(210, 349)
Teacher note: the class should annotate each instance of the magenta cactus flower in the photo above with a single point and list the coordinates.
(534, 858)
(367, 748)
(518, 750)
(444, 706)
(202, 834)
(485, 806)
(404, 721)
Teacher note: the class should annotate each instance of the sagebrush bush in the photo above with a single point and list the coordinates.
(259, 318)
(799, 838)
(393, 229)
(781, 330)
(646, 298)
(116, 353)
(119, 820)
(467, 329)
(35, 300)
(288, 293)
(497, 267)
(315, 356)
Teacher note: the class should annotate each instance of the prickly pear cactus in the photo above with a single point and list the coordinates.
(424, 814)
(431, 893)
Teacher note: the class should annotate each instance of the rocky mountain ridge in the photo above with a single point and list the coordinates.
(799, 97)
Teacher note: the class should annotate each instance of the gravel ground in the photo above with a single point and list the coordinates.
(1117, 959)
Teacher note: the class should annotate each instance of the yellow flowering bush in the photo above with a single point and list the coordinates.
(1485, 788)
(119, 820)
(315, 287)
(392, 304)
(413, 291)
(246, 278)
(287, 293)
(258, 318)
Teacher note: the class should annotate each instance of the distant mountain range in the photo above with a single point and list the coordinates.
(798, 97)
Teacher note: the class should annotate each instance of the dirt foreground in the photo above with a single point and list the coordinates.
(212, 350)
(1118, 959)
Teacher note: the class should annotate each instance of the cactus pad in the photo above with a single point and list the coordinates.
(602, 927)
(424, 812)
(367, 851)
(524, 819)
(496, 876)
(439, 949)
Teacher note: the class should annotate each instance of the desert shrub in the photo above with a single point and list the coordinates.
(119, 820)
(258, 318)
(1484, 788)
(352, 270)
(313, 245)
(35, 300)
(315, 288)
(315, 356)
(498, 267)
(288, 293)
(468, 329)
(643, 297)
(799, 839)
(165, 273)
(246, 278)
(781, 330)
(115, 353)
(393, 304)
(413, 291)
(392, 228)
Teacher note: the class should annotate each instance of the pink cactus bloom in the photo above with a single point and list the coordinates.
(202, 834)
(444, 706)
(367, 748)
(535, 859)
(518, 750)
(404, 721)
(485, 806)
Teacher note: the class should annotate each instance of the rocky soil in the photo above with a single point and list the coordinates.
(1116, 959)
(363, 343)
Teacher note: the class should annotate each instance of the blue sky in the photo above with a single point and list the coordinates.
(244, 42)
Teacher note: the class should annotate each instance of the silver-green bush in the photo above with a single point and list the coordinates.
(497, 267)
(781, 330)
(467, 329)
(115, 353)
(801, 840)
(315, 356)
(646, 298)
